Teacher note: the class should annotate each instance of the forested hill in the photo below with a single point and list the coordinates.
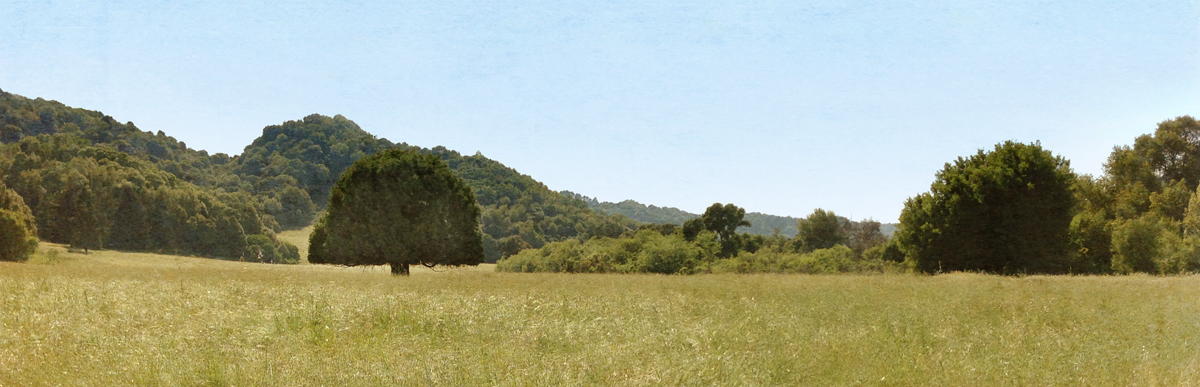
(280, 181)
(93, 182)
(518, 211)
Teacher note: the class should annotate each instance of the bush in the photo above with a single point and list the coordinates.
(1136, 243)
(17, 243)
(1177, 254)
(836, 259)
(648, 251)
(18, 230)
(271, 251)
(665, 254)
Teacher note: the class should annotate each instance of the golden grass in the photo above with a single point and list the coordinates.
(112, 318)
(299, 238)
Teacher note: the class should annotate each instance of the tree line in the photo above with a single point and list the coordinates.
(825, 243)
(1018, 209)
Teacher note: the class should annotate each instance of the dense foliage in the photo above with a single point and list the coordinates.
(707, 244)
(648, 251)
(18, 230)
(1143, 214)
(92, 182)
(97, 197)
(1004, 211)
(401, 208)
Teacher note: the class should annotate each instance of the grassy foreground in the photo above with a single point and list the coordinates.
(111, 318)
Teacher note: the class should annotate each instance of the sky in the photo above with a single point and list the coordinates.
(779, 107)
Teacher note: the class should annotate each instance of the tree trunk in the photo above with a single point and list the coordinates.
(399, 268)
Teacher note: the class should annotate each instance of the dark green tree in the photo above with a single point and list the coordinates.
(18, 231)
(1137, 242)
(79, 207)
(401, 208)
(692, 228)
(820, 230)
(724, 219)
(1005, 211)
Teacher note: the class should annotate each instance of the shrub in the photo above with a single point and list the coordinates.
(16, 240)
(648, 251)
(18, 230)
(836, 259)
(281, 252)
(1136, 242)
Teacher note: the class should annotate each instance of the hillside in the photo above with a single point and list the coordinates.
(280, 182)
(93, 182)
(518, 211)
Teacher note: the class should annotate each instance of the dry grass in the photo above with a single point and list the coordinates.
(111, 318)
(299, 238)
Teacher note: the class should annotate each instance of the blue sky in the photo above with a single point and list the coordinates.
(777, 106)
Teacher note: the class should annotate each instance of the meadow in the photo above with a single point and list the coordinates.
(116, 318)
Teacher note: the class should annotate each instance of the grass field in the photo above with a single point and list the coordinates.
(112, 318)
(299, 238)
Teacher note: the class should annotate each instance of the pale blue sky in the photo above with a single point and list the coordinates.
(777, 106)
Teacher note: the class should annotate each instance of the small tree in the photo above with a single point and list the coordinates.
(18, 231)
(820, 230)
(401, 208)
(724, 221)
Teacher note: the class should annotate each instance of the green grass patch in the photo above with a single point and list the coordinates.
(112, 318)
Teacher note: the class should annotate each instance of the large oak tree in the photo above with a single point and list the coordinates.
(401, 208)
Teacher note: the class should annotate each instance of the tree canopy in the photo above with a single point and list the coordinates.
(18, 230)
(399, 207)
(1004, 211)
(820, 230)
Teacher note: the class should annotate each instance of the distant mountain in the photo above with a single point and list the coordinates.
(887, 229)
(760, 223)
(638, 211)
(763, 224)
